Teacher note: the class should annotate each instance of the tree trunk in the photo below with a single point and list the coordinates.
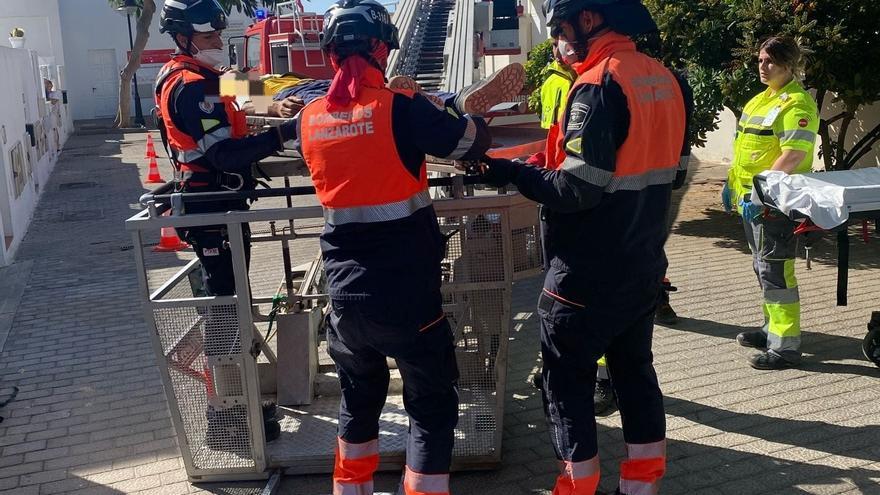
(863, 147)
(840, 150)
(825, 134)
(123, 113)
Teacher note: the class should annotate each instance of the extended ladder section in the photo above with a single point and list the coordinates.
(436, 43)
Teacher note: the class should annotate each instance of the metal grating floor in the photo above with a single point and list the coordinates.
(308, 433)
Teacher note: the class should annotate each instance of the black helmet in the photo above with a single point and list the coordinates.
(628, 17)
(350, 21)
(192, 16)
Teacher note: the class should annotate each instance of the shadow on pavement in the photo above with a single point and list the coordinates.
(860, 442)
(819, 349)
(716, 224)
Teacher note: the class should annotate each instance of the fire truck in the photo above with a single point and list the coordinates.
(287, 41)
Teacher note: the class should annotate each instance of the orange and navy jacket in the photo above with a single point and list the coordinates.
(610, 168)
(381, 241)
(206, 134)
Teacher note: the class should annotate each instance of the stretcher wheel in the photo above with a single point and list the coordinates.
(871, 346)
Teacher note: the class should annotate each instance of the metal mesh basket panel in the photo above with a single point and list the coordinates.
(474, 249)
(478, 318)
(201, 348)
(476, 301)
(526, 244)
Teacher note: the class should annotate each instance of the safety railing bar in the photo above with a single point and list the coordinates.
(281, 192)
(172, 282)
(205, 219)
(192, 302)
(279, 237)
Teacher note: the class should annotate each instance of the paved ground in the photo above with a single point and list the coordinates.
(91, 415)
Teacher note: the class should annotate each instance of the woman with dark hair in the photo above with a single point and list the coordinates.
(777, 131)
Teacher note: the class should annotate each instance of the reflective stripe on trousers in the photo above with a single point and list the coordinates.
(773, 246)
(378, 213)
(425, 484)
(355, 465)
(578, 478)
(640, 474)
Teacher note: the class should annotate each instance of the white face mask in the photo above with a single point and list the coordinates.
(214, 57)
(567, 52)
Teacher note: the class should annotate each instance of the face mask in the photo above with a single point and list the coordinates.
(214, 57)
(567, 52)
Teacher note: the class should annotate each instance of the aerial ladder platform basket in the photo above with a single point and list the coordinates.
(221, 356)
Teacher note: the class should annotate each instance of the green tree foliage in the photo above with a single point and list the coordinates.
(716, 43)
(536, 67)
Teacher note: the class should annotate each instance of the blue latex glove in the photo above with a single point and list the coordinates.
(725, 198)
(750, 210)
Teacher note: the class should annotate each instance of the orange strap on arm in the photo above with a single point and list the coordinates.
(518, 151)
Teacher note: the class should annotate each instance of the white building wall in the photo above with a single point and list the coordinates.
(92, 25)
(41, 24)
(24, 167)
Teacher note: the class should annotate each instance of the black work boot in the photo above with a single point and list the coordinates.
(772, 360)
(604, 401)
(663, 313)
(270, 410)
(871, 344)
(756, 339)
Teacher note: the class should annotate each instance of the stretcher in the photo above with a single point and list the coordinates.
(828, 202)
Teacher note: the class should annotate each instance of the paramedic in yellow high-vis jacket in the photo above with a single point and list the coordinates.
(555, 88)
(777, 131)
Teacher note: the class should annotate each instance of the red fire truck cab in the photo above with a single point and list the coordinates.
(287, 41)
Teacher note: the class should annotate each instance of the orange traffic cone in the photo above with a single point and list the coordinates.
(153, 177)
(151, 149)
(168, 241)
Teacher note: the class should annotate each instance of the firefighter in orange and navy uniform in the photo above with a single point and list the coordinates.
(365, 147)
(606, 193)
(207, 140)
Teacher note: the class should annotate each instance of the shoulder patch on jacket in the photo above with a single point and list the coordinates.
(577, 118)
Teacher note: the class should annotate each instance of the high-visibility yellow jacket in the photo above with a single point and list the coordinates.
(771, 123)
(554, 93)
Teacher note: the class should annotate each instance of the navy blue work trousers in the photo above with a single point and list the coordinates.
(360, 335)
(579, 326)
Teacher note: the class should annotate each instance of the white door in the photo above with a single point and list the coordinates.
(105, 82)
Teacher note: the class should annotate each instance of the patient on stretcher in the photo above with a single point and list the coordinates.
(290, 93)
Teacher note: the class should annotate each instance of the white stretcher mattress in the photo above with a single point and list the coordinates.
(827, 198)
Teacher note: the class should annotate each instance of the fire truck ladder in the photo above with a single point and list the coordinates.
(302, 27)
(423, 58)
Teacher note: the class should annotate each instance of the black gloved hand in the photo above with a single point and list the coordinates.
(498, 172)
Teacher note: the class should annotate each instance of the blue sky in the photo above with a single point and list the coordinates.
(317, 5)
(321, 6)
